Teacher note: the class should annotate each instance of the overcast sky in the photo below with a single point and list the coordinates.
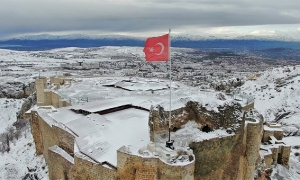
(149, 17)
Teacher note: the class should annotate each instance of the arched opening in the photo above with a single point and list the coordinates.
(279, 158)
(206, 129)
(175, 129)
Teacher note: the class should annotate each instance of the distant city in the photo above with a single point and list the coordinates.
(217, 68)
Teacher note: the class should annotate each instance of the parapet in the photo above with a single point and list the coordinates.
(272, 129)
(273, 150)
(155, 162)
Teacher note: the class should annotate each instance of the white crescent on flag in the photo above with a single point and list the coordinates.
(162, 48)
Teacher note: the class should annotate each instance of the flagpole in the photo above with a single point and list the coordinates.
(170, 81)
(169, 143)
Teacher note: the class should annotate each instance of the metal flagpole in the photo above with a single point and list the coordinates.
(169, 143)
(170, 80)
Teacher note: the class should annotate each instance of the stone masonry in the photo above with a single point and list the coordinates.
(236, 156)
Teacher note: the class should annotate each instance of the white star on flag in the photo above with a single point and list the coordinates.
(151, 49)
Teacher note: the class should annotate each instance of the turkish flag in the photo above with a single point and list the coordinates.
(157, 48)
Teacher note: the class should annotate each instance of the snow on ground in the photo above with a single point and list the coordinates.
(8, 110)
(293, 173)
(279, 101)
(15, 163)
(191, 132)
(22, 159)
(276, 94)
(93, 89)
(270, 101)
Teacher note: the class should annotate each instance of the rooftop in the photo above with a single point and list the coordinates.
(120, 117)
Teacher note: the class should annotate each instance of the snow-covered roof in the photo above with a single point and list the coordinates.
(88, 124)
(121, 117)
(64, 115)
(62, 153)
(100, 136)
(267, 128)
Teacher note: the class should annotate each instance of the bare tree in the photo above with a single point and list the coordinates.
(18, 134)
(5, 142)
(10, 132)
(3, 145)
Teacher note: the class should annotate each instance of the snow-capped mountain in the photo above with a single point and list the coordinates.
(70, 37)
(279, 36)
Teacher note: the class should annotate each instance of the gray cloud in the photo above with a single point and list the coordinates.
(35, 16)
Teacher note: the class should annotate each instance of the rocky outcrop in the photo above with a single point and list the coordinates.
(222, 157)
(16, 90)
(29, 97)
(227, 117)
(227, 85)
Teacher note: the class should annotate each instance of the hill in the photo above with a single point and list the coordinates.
(276, 92)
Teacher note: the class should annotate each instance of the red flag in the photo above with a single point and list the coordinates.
(157, 48)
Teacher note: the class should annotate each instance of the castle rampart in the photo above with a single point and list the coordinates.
(40, 85)
(253, 135)
(85, 168)
(60, 163)
(47, 135)
(47, 97)
(137, 167)
(228, 144)
(218, 158)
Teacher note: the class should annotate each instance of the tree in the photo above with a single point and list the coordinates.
(10, 132)
(4, 142)
(18, 134)
(7, 142)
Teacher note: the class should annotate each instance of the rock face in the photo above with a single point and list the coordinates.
(16, 90)
(19, 90)
(229, 117)
(227, 86)
(230, 157)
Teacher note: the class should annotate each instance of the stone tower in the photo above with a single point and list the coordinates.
(40, 85)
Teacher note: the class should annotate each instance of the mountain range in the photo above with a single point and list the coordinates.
(241, 43)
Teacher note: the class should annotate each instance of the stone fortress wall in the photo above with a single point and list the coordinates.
(47, 96)
(253, 135)
(56, 144)
(274, 150)
(136, 167)
(231, 157)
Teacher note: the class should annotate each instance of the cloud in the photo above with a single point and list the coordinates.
(263, 33)
(133, 16)
(221, 30)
